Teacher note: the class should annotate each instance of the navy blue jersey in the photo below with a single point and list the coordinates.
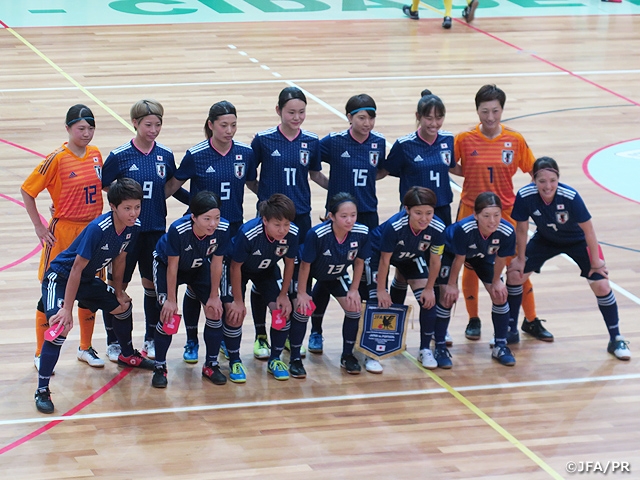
(151, 171)
(285, 165)
(225, 175)
(556, 222)
(417, 163)
(256, 251)
(396, 236)
(181, 241)
(99, 243)
(464, 238)
(329, 258)
(354, 166)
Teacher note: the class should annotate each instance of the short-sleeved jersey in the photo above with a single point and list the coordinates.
(330, 258)
(354, 166)
(285, 164)
(73, 183)
(256, 251)
(418, 163)
(99, 243)
(396, 236)
(180, 241)
(464, 238)
(488, 165)
(151, 171)
(557, 221)
(225, 175)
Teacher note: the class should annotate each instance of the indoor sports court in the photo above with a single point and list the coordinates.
(571, 71)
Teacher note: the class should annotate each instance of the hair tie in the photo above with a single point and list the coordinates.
(550, 169)
(370, 109)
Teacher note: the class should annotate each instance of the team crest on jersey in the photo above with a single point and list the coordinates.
(374, 158)
(562, 217)
(507, 157)
(161, 170)
(162, 297)
(239, 169)
(351, 255)
(60, 302)
(422, 246)
(493, 249)
(123, 246)
(98, 170)
(211, 249)
(304, 156)
(281, 250)
(445, 155)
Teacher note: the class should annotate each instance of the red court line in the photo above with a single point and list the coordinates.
(22, 148)
(4, 25)
(86, 402)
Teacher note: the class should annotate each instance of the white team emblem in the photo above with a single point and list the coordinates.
(98, 170)
(507, 157)
(493, 249)
(238, 169)
(281, 250)
(351, 255)
(162, 297)
(212, 248)
(374, 158)
(161, 170)
(422, 246)
(304, 157)
(445, 155)
(562, 217)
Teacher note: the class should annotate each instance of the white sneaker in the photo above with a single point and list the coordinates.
(427, 359)
(91, 357)
(36, 363)
(149, 349)
(619, 348)
(448, 339)
(372, 366)
(113, 352)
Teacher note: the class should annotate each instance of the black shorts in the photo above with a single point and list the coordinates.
(480, 265)
(539, 250)
(337, 287)
(94, 294)
(267, 282)
(198, 279)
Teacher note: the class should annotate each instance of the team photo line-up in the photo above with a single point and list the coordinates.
(215, 253)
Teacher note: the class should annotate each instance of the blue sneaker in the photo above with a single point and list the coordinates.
(503, 355)
(443, 357)
(237, 374)
(190, 354)
(315, 342)
(224, 351)
(513, 337)
(278, 369)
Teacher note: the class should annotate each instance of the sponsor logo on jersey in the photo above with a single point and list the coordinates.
(275, 153)
(345, 154)
(445, 155)
(304, 157)
(474, 246)
(133, 168)
(401, 242)
(257, 252)
(507, 157)
(327, 253)
(562, 217)
(537, 213)
(72, 174)
(281, 250)
(374, 158)
(418, 159)
(161, 170)
(475, 153)
(188, 248)
(209, 170)
(351, 255)
(239, 168)
(105, 247)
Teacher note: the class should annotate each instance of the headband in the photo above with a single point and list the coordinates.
(370, 109)
(76, 120)
(550, 169)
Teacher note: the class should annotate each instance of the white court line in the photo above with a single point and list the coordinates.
(318, 100)
(312, 400)
(324, 80)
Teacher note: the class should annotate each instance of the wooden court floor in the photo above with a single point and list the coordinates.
(572, 89)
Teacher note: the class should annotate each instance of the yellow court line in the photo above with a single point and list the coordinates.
(70, 79)
(487, 419)
(433, 9)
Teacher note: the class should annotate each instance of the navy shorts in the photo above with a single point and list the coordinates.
(539, 250)
(94, 294)
(198, 279)
(337, 287)
(267, 282)
(141, 254)
(480, 265)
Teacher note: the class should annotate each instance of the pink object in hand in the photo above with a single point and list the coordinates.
(53, 332)
(171, 327)
(278, 321)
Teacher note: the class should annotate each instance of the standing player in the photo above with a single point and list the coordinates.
(221, 165)
(329, 250)
(151, 164)
(484, 242)
(288, 156)
(72, 176)
(563, 225)
(413, 242)
(468, 13)
(355, 157)
(258, 246)
(191, 253)
(72, 276)
(490, 154)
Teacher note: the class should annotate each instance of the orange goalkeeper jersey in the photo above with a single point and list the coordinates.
(74, 183)
(490, 164)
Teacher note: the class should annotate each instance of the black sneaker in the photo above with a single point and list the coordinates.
(136, 360)
(350, 364)
(536, 330)
(472, 332)
(43, 400)
(296, 369)
(513, 337)
(469, 11)
(412, 15)
(213, 373)
(446, 23)
(159, 379)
